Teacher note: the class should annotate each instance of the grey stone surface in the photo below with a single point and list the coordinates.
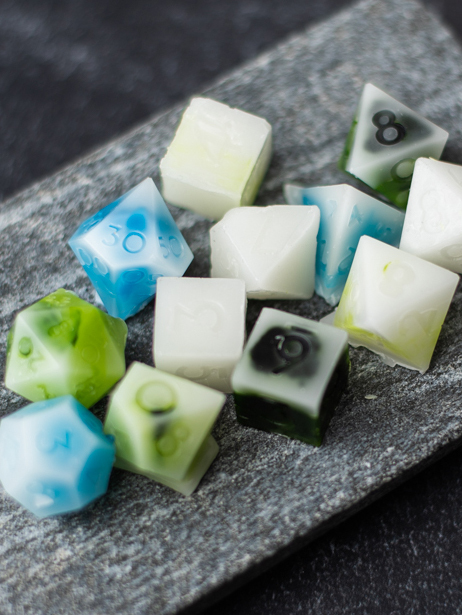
(144, 548)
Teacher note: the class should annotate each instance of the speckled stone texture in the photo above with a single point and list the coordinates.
(143, 548)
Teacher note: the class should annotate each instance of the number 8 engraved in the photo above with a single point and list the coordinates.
(389, 132)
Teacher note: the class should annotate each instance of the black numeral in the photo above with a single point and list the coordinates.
(389, 132)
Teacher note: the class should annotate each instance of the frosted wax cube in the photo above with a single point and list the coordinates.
(217, 159)
(273, 249)
(54, 456)
(346, 215)
(395, 303)
(127, 246)
(384, 141)
(433, 224)
(161, 424)
(199, 329)
(291, 376)
(63, 345)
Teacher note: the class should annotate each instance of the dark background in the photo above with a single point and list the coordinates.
(76, 73)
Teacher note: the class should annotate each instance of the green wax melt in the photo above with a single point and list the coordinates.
(63, 345)
(161, 424)
(291, 376)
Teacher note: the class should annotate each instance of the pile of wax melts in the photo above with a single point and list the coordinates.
(290, 376)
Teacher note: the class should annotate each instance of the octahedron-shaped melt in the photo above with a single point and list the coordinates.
(63, 345)
(273, 249)
(384, 141)
(395, 303)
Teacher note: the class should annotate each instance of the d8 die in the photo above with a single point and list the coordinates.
(272, 249)
(433, 224)
(162, 425)
(126, 246)
(395, 303)
(384, 141)
(291, 376)
(199, 329)
(217, 159)
(63, 345)
(346, 215)
(54, 456)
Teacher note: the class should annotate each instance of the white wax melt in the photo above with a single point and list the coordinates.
(216, 160)
(394, 303)
(273, 249)
(433, 224)
(199, 329)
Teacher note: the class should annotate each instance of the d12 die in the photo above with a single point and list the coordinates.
(272, 249)
(346, 215)
(199, 329)
(395, 303)
(217, 159)
(384, 141)
(162, 425)
(433, 224)
(127, 245)
(291, 376)
(63, 345)
(54, 456)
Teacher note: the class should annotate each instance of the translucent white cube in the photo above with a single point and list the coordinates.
(384, 141)
(273, 249)
(433, 224)
(199, 329)
(346, 215)
(395, 303)
(217, 159)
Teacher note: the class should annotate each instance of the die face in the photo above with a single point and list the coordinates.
(216, 160)
(271, 248)
(54, 456)
(161, 423)
(199, 328)
(395, 303)
(433, 225)
(384, 141)
(346, 215)
(63, 345)
(288, 364)
(126, 250)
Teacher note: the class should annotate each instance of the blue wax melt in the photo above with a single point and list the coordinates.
(54, 456)
(346, 215)
(127, 245)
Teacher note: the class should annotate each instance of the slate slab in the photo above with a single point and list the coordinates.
(144, 548)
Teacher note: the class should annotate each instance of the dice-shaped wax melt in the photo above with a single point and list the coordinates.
(199, 329)
(346, 215)
(162, 425)
(217, 159)
(395, 303)
(433, 224)
(63, 345)
(273, 249)
(54, 456)
(291, 376)
(126, 246)
(384, 141)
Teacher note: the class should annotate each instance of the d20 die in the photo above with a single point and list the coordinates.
(291, 376)
(272, 249)
(346, 215)
(54, 456)
(433, 224)
(127, 246)
(162, 425)
(217, 159)
(384, 141)
(199, 329)
(395, 303)
(63, 345)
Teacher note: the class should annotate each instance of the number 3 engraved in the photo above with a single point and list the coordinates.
(396, 276)
(113, 237)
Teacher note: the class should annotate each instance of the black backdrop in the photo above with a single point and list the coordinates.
(76, 73)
